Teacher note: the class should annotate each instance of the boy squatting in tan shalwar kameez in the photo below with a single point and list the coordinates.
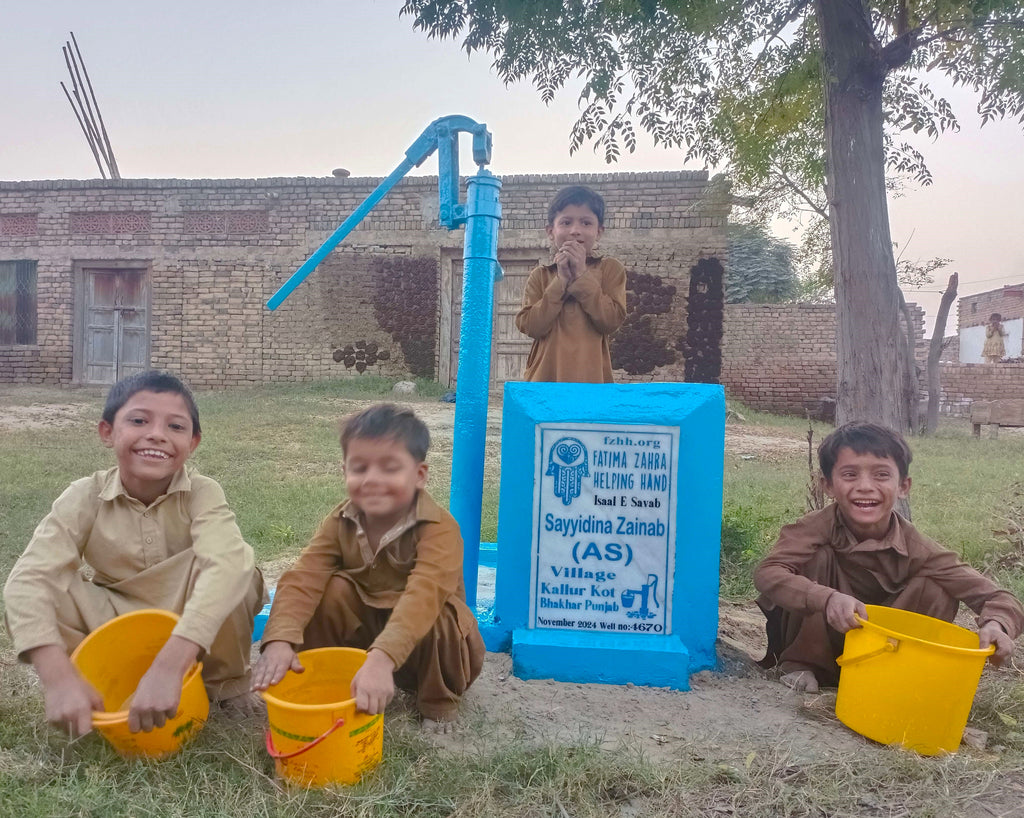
(383, 573)
(154, 534)
(825, 566)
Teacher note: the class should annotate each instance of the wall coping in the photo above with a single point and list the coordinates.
(354, 181)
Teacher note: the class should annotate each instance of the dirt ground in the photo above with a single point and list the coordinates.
(732, 709)
(735, 708)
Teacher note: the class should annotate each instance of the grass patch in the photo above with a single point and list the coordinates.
(276, 453)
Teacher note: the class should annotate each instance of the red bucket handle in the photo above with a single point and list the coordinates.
(278, 755)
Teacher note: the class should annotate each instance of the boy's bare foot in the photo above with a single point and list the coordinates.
(802, 681)
(243, 706)
(439, 726)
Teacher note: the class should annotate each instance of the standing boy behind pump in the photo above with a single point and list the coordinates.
(824, 568)
(383, 573)
(572, 305)
(155, 535)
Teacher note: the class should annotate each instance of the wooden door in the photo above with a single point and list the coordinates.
(115, 325)
(509, 347)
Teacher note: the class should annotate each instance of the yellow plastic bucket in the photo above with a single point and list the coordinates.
(114, 658)
(909, 679)
(315, 735)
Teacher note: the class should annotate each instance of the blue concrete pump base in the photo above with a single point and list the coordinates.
(616, 659)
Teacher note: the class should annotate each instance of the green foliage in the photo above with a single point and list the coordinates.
(774, 93)
(738, 82)
(760, 267)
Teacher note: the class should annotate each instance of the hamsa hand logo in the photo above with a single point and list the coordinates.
(567, 463)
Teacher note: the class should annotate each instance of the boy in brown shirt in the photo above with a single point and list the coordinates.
(815, 581)
(572, 305)
(155, 534)
(383, 573)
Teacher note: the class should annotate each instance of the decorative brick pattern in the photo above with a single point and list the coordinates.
(206, 223)
(129, 222)
(255, 222)
(227, 222)
(106, 223)
(18, 224)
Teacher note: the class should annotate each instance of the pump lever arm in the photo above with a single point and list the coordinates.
(440, 134)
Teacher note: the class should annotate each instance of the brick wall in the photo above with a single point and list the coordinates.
(974, 310)
(216, 250)
(963, 383)
(777, 356)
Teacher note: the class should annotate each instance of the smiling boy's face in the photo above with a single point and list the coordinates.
(575, 223)
(382, 479)
(152, 437)
(866, 488)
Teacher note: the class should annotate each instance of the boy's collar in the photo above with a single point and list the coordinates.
(894, 537)
(113, 487)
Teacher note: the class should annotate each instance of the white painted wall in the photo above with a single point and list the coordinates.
(972, 341)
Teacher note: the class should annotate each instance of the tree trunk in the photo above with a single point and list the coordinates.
(867, 333)
(935, 352)
(908, 366)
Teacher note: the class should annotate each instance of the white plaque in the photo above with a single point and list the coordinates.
(604, 511)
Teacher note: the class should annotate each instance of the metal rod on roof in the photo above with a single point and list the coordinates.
(82, 98)
(114, 172)
(85, 131)
(76, 80)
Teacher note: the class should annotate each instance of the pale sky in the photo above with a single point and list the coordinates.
(226, 89)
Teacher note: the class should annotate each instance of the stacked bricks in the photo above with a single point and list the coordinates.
(963, 383)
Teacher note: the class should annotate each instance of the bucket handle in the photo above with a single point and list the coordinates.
(274, 753)
(890, 646)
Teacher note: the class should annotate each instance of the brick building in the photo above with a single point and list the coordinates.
(101, 278)
(974, 312)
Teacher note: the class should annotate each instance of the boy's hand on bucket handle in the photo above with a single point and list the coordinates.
(157, 697)
(70, 700)
(277, 658)
(374, 683)
(842, 611)
(992, 633)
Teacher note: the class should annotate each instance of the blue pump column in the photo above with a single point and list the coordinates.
(480, 272)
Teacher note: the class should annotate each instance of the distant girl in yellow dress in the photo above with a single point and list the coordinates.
(995, 349)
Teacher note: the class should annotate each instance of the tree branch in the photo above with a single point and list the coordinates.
(793, 186)
(947, 33)
(897, 52)
(781, 21)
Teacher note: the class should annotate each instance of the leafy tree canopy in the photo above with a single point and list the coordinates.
(738, 83)
(805, 102)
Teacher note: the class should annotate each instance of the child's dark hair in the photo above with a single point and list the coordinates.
(149, 381)
(864, 438)
(386, 420)
(576, 195)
